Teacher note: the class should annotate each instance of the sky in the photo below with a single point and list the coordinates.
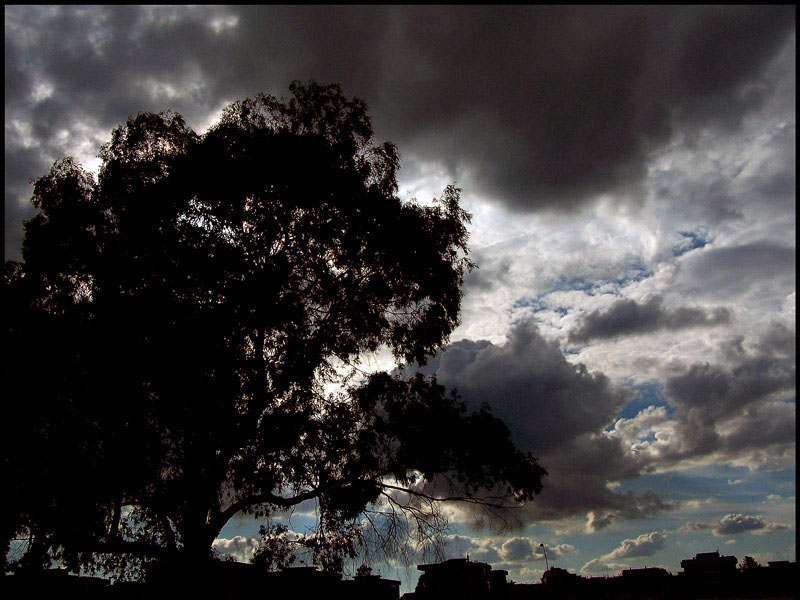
(631, 176)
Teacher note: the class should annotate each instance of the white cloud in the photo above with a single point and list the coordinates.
(645, 545)
(651, 421)
(513, 552)
(239, 548)
(597, 566)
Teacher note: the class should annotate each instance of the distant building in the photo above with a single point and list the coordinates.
(559, 577)
(705, 562)
(460, 579)
(709, 568)
(371, 587)
(308, 582)
(646, 574)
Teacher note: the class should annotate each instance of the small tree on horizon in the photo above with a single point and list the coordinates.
(185, 334)
(748, 562)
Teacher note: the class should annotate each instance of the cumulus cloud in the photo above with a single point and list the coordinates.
(733, 524)
(239, 548)
(651, 421)
(597, 565)
(645, 545)
(738, 409)
(498, 550)
(524, 549)
(721, 390)
(628, 506)
(518, 549)
(628, 317)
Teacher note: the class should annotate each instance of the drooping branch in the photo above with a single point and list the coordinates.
(495, 502)
(222, 517)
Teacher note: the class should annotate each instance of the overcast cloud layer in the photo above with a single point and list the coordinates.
(631, 174)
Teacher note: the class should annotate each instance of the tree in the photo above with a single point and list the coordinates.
(187, 330)
(748, 563)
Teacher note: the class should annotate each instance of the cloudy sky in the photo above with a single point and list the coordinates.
(631, 175)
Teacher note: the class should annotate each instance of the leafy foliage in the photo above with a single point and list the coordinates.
(178, 325)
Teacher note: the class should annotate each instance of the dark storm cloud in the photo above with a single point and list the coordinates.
(760, 427)
(518, 549)
(557, 411)
(527, 381)
(720, 391)
(778, 340)
(535, 106)
(740, 407)
(549, 105)
(628, 317)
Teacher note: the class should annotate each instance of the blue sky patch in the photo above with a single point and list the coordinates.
(691, 240)
(648, 394)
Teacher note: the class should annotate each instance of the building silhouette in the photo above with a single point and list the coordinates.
(709, 567)
(708, 575)
(460, 578)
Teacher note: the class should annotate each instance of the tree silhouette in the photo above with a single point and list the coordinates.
(185, 334)
(748, 563)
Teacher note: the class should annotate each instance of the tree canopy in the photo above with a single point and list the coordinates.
(186, 329)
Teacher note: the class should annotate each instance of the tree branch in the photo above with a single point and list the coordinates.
(488, 501)
(265, 498)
